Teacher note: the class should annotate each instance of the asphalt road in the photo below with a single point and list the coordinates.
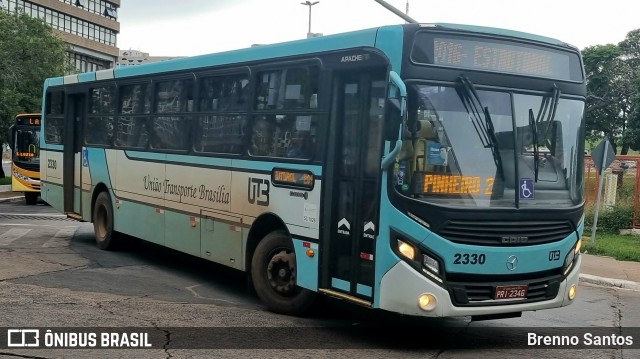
(53, 276)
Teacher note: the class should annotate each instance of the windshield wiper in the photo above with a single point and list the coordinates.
(534, 133)
(549, 104)
(484, 129)
(553, 100)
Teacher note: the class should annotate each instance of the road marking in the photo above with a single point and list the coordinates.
(61, 238)
(11, 235)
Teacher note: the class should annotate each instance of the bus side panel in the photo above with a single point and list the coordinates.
(52, 190)
(307, 264)
(95, 170)
(77, 184)
(138, 189)
(254, 194)
(222, 239)
(182, 233)
(187, 190)
(140, 220)
(85, 185)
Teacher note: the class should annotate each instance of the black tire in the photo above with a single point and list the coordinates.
(106, 237)
(31, 198)
(274, 273)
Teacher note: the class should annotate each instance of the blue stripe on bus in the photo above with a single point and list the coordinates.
(340, 284)
(261, 166)
(98, 166)
(57, 81)
(364, 290)
(87, 77)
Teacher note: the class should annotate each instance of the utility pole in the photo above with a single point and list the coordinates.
(404, 16)
(309, 4)
(406, 12)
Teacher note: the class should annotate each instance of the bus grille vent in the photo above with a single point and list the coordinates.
(502, 233)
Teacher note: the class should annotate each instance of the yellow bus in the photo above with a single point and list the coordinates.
(24, 140)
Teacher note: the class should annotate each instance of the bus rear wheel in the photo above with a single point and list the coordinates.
(103, 222)
(31, 198)
(274, 275)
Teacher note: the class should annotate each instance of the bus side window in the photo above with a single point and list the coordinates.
(293, 88)
(261, 137)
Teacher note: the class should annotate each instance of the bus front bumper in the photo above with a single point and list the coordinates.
(401, 289)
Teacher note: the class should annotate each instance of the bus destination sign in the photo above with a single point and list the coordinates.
(446, 184)
(292, 178)
(483, 54)
(28, 121)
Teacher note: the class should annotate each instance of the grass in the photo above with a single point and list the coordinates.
(624, 248)
(6, 180)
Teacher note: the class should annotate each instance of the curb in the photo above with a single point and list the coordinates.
(10, 198)
(610, 282)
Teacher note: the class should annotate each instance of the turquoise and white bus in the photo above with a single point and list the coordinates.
(424, 169)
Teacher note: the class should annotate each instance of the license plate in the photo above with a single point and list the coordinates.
(511, 292)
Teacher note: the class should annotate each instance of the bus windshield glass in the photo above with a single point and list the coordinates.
(487, 152)
(27, 145)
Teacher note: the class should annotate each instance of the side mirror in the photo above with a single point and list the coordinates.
(12, 135)
(397, 90)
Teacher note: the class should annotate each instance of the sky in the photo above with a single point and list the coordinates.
(194, 27)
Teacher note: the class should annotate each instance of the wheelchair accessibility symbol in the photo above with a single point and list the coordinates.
(526, 188)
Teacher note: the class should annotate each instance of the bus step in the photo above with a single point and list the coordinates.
(347, 297)
(73, 215)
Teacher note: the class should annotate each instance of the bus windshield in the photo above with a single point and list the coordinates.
(27, 145)
(487, 152)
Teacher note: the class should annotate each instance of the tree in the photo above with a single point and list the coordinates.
(612, 75)
(29, 53)
(631, 48)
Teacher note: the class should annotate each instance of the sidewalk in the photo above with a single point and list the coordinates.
(610, 272)
(597, 270)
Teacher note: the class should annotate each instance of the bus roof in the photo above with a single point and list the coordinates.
(384, 37)
(28, 114)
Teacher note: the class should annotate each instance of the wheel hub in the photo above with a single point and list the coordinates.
(281, 272)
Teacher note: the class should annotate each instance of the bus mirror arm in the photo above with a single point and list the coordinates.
(395, 80)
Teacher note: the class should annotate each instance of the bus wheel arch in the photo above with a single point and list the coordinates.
(273, 268)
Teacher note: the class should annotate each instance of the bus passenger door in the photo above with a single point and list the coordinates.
(354, 188)
(72, 155)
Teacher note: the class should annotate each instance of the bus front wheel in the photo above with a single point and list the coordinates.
(103, 222)
(274, 274)
(31, 198)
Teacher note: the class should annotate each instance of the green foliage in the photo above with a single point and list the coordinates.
(622, 248)
(29, 53)
(611, 221)
(613, 75)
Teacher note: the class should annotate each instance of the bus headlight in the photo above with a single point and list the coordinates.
(572, 292)
(573, 253)
(406, 250)
(431, 263)
(420, 259)
(427, 302)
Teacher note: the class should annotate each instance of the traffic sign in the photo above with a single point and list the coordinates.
(603, 155)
